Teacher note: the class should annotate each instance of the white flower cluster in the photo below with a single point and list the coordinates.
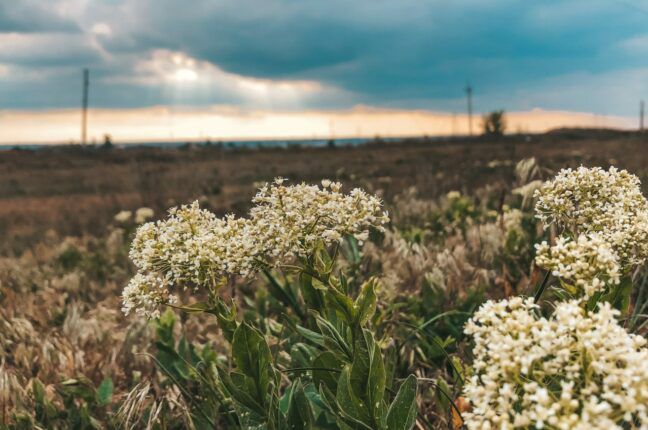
(592, 200)
(512, 221)
(588, 263)
(194, 248)
(290, 220)
(123, 216)
(574, 370)
(145, 293)
(141, 215)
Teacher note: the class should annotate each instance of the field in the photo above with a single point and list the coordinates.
(462, 230)
(72, 191)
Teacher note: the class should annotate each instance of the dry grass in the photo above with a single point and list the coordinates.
(65, 262)
(75, 191)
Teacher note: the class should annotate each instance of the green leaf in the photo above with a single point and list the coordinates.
(319, 285)
(105, 392)
(164, 327)
(342, 304)
(323, 261)
(353, 255)
(368, 375)
(365, 304)
(312, 297)
(39, 391)
(226, 317)
(248, 345)
(390, 359)
(237, 385)
(333, 340)
(300, 414)
(402, 411)
(283, 293)
(301, 355)
(621, 300)
(348, 401)
(310, 335)
(376, 382)
(253, 360)
(326, 360)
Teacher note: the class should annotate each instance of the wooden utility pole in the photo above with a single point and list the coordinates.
(642, 107)
(84, 107)
(469, 91)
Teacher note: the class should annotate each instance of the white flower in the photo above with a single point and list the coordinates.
(453, 195)
(512, 221)
(194, 248)
(123, 216)
(289, 221)
(573, 370)
(589, 263)
(144, 294)
(592, 200)
(143, 214)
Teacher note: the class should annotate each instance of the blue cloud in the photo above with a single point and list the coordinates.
(400, 53)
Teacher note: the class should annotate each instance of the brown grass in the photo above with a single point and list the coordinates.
(76, 191)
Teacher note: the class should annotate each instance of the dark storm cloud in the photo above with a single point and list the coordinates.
(405, 53)
(31, 17)
(410, 46)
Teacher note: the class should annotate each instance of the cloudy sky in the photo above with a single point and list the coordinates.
(299, 67)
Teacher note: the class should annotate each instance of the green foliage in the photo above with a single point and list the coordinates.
(338, 375)
(402, 411)
(70, 258)
(80, 405)
(193, 371)
(319, 344)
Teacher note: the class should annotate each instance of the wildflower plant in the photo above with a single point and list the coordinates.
(603, 221)
(340, 375)
(594, 201)
(583, 266)
(572, 370)
(578, 367)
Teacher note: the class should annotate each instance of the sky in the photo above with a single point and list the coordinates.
(163, 69)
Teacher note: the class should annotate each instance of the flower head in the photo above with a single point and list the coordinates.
(573, 370)
(123, 216)
(144, 295)
(592, 200)
(194, 248)
(143, 214)
(290, 220)
(588, 263)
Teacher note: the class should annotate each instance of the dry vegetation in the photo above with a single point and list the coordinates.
(68, 356)
(75, 192)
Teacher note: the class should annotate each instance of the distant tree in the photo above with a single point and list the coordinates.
(494, 123)
(107, 144)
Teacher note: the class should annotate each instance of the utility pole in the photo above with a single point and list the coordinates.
(469, 91)
(642, 107)
(84, 107)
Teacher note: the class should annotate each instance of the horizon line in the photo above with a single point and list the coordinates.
(163, 123)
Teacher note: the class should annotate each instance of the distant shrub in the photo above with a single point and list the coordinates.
(494, 123)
